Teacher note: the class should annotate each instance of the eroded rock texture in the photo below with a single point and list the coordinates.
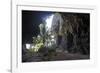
(72, 31)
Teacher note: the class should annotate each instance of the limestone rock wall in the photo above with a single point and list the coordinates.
(74, 32)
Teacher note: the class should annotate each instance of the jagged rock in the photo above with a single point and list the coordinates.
(72, 32)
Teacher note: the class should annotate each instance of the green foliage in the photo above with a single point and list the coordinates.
(38, 43)
(36, 47)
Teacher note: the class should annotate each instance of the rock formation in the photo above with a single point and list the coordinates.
(72, 32)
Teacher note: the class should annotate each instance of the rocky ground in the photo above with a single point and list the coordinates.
(53, 56)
